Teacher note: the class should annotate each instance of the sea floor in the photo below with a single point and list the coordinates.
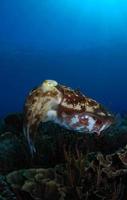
(66, 166)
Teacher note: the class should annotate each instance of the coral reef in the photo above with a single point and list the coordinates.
(66, 166)
(5, 190)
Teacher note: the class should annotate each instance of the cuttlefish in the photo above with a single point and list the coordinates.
(69, 108)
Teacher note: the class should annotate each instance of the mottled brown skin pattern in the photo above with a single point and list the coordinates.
(74, 97)
(68, 103)
(71, 97)
(33, 117)
(29, 116)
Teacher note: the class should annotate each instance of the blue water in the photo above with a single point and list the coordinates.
(79, 43)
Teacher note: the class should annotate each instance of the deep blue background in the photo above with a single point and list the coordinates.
(80, 43)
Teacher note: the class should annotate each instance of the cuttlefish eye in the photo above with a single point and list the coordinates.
(48, 85)
(51, 83)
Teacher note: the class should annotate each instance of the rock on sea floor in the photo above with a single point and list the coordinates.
(66, 166)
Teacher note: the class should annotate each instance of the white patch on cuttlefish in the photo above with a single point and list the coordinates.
(52, 115)
(74, 120)
(89, 109)
(91, 123)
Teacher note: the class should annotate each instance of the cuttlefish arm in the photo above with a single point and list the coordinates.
(39, 107)
(31, 118)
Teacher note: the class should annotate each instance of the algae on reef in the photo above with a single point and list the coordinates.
(66, 166)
